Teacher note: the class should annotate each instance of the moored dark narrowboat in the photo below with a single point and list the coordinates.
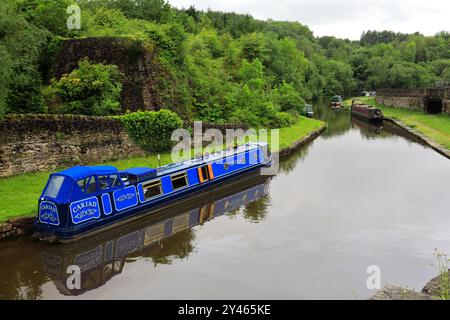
(336, 101)
(87, 200)
(308, 110)
(366, 111)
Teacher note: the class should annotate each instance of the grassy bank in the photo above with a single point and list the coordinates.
(434, 126)
(22, 192)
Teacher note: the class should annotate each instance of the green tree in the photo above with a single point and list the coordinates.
(288, 98)
(252, 74)
(47, 14)
(338, 78)
(21, 44)
(253, 45)
(409, 51)
(5, 74)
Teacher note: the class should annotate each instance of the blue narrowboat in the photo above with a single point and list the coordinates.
(86, 200)
(103, 257)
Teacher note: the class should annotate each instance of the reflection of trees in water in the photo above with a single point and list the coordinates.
(177, 246)
(338, 121)
(19, 276)
(233, 214)
(289, 164)
(256, 211)
(180, 245)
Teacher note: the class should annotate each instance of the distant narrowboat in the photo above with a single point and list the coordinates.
(86, 200)
(336, 101)
(365, 111)
(308, 111)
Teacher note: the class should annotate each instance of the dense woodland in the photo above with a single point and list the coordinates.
(222, 67)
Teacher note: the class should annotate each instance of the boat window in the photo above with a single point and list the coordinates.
(82, 183)
(114, 181)
(87, 185)
(103, 182)
(152, 189)
(132, 179)
(54, 185)
(179, 180)
(124, 178)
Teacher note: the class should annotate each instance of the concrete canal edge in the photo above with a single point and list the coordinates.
(20, 226)
(301, 142)
(428, 141)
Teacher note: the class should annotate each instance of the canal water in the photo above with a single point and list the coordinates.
(358, 196)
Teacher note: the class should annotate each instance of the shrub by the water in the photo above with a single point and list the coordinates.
(152, 130)
(282, 119)
(92, 89)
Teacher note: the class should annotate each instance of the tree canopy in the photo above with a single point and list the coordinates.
(221, 66)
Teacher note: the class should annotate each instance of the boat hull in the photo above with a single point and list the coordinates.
(369, 114)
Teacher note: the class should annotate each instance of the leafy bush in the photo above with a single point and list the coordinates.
(288, 98)
(92, 89)
(281, 120)
(152, 130)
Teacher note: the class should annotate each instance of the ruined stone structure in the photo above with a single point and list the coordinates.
(30, 143)
(430, 100)
(134, 59)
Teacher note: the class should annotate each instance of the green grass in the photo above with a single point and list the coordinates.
(434, 126)
(303, 127)
(23, 191)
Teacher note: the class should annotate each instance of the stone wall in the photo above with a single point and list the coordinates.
(30, 143)
(411, 103)
(414, 99)
(134, 59)
(16, 227)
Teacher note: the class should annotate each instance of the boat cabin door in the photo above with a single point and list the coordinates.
(205, 173)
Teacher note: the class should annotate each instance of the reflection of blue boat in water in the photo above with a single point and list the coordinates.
(101, 258)
(84, 200)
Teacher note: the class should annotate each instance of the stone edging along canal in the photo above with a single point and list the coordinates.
(301, 142)
(20, 226)
(428, 141)
(431, 291)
